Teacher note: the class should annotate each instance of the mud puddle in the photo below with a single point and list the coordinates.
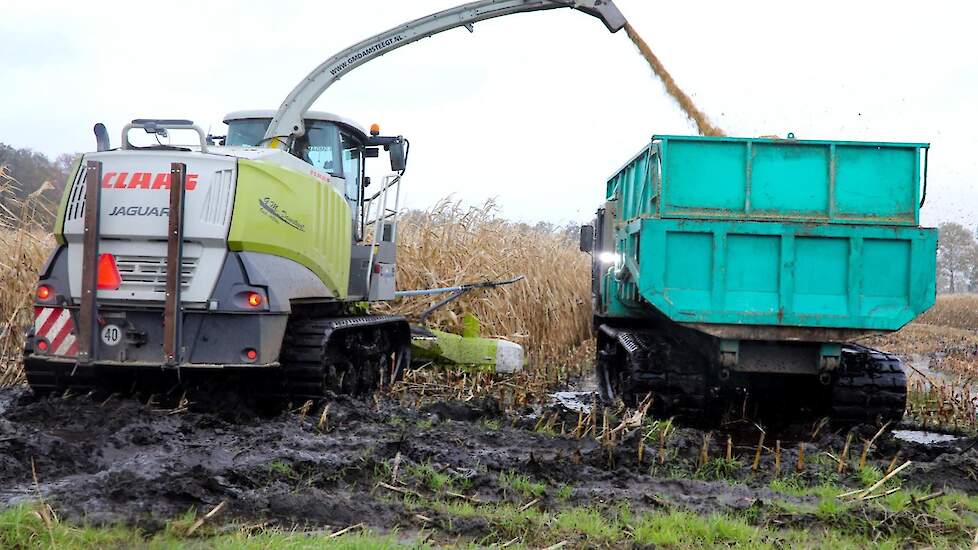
(577, 401)
(924, 437)
(122, 461)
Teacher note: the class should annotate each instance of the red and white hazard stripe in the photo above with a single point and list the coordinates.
(54, 324)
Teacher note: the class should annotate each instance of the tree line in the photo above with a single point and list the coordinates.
(31, 170)
(957, 258)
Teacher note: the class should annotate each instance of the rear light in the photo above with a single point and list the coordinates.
(250, 354)
(255, 300)
(44, 292)
(108, 273)
(42, 345)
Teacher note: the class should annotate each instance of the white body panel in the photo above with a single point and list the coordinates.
(134, 217)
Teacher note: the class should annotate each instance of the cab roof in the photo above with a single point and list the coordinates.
(310, 115)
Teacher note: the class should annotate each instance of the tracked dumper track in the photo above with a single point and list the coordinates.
(346, 355)
(868, 387)
(633, 363)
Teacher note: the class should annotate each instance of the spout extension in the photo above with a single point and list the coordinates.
(605, 10)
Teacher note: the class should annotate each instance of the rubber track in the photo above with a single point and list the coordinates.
(869, 386)
(655, 364)
(48, 377)
(317, 355)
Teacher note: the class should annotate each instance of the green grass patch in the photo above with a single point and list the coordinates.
(280, 467)
(687, 530)
(719, 469)
(589, 523)
(521, 485)
(33, 526)
(564, 492)
(429, 477)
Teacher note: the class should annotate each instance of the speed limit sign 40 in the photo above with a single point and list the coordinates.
(111, 335)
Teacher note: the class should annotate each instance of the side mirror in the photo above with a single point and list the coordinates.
(371, 152)
(398, 155)
(587, 238)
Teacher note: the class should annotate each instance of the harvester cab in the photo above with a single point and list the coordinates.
(251, 253)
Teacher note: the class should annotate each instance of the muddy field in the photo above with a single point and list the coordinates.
(420, 471)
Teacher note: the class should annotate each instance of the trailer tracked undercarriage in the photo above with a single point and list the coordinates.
(868, 385)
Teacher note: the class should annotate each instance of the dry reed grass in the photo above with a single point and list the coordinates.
(549, 312)
(24, 245)
(941, 347)
(953, 310)
(947, 333)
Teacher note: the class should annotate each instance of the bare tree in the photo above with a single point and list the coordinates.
(957, 255)
(973, 260)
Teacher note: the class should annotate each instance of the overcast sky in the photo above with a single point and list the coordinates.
(535, 109)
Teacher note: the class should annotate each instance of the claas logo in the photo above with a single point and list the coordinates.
(143, 180)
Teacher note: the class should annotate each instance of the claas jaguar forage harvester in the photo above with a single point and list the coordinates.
(254, 253)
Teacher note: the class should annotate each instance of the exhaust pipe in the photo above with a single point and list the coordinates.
(101, 137)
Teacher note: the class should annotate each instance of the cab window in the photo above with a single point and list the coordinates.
(352, 153)
(246, 132)
(320, 146)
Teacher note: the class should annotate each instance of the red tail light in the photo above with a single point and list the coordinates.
(43, 292)
(254, 299)
(108, 273)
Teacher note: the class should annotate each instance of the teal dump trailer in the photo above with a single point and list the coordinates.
(748, 267)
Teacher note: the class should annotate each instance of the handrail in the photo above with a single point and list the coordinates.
(153, 126)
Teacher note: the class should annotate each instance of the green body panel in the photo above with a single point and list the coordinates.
(286, 213)
(455, 349)
(59, 220)
(770, 232)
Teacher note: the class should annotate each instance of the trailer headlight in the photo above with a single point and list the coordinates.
(608, 258)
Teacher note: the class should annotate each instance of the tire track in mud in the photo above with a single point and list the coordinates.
(124, 462)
